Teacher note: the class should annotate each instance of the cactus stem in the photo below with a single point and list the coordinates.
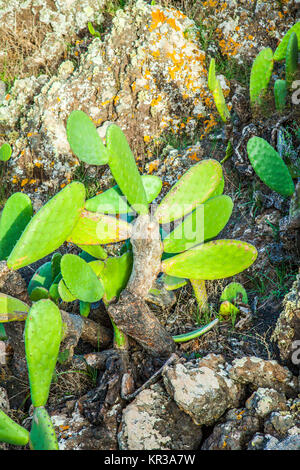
(120, 338)
(200, 293)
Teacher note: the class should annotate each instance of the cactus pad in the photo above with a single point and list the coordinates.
(172, 282)
(80, 279)
(291, 60)
(15, 216)
(96, 251)
(220, 101)
(43, 330)
(84, 139)
(227, 308)
(50, 227)
(93, 228)
(213, 260)
(5, 152)
(280, 94)
(124, 170)
(269, 167)
(196, 186)
(212, 75)
(39, 293)
(84, 308)
(41, 278)
(204, 223)
(12, 309)
(260, 75)
(42, 434)
(234, 290)
(64, 292)
(11, 432)
(280, 52)
(115, 275)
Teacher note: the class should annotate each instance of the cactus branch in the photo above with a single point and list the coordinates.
(200, 293)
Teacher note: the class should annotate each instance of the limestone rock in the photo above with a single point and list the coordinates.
(264, 400)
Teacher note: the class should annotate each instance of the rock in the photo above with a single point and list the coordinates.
(235, 433)
(201, 390)
(153, 421)
(279, 423)
(265, 400)
(4, 406)
(262, 373)
(289, 443)
(287, 330)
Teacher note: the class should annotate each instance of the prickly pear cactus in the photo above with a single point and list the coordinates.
(280, 94)
(227, 308)
(196, 186)
(291, 60)
(115, 275)
(280, 52)
(233, 291)
(212, 75)
(84, 139)
(15, 216)
(269, 167)
(49, 227)
(260, 75)
(11, 432)
(172, 282)
(5, 152)
(12, 309)
(124, 170)
(43, 330)
(42, 434)
(213, 260)
(220, 101)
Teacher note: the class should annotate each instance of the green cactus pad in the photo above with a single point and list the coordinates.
(260, 75)
(280, 94)
(5, 152)
(42, 434)
(113, 201)
(53, 292)
(41, 278)
(124, 170)
(11, 432)
(84, 139)
(80, 279)
(15, 216)
(196, 186)
(93, 228)
(84, 308)
(115, 275)
(39, 293)
(291, 61)
(234, 290)
(65, 294)
(227, 308)
(172, 282)
(12, 309)
(269, 167)
(96, 251)
(55, 265)
(3, 335)
(280, 52)
(43, 331)
(213, 260)
(97, 266)
(205, 222)
(50, 227)
(220, 101)
(212, 75)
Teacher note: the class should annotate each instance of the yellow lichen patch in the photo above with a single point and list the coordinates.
(24, 182)
(153, 166)
(155, 101)
(147, 138)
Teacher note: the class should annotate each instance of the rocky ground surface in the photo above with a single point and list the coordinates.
(238, 386)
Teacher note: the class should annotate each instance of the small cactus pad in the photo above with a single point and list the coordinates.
(43, 330)
(42, 434)
(220, 101)
(113, 201)
(84, 139)
(12, 309)
(3, 335)
(50, 227)
(115, 275)
(291, 60)
(280, 52)
(64, 292)
(15, 216)
(84, 308)
(213, 260)
(233, 291)
(280, 94)
(80, 279)
(197, 185)
(204, 223)
(93, 228)
(39, 293)
(96, 251)
(41, 278)
(212, 75)
(260, 75)
(55, 265)
(5, 152)
(269, 167)
(11, 432)
(172, 282)
(124, 170)
(227, 308)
